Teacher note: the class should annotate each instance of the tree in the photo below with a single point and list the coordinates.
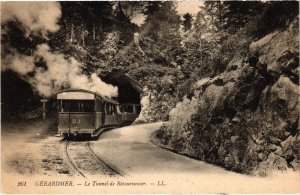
(130, 8)
(238, 14)
(216, 10)
(162, 27)
(83, 21)
(187, 22)
(151, 7)
(276, 14)
(100, 12)
(123, 14)
(202, 45)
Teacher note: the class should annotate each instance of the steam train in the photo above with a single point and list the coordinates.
(86, 113)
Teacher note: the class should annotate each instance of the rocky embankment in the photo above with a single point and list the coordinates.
(246, 118)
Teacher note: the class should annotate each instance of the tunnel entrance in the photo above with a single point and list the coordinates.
(129, 93)
(21, 101)
(17, 96)
(129, 89)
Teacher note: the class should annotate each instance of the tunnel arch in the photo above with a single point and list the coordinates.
(129, 89)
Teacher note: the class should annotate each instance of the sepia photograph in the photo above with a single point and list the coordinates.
(139, 97)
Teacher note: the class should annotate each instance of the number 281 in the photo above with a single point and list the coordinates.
(21, 183)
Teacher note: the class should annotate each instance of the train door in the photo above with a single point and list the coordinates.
(99, 113)
(63, 117)
(111, 116)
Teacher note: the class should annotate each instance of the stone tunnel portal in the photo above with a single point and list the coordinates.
(129, 89)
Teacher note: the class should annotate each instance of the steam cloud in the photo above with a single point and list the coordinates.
(36, 17)
(60, 72)
(40, 18)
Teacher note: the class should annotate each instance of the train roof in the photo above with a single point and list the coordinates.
(90, 92)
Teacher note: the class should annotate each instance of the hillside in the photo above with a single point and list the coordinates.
(246, 118)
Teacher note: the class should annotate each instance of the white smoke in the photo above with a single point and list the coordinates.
(60, 72)
(103, 88)
(40, 18)
(19, 63)
(36, 17)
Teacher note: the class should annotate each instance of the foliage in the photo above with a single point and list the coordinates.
(162, 27)
(276, 14)
(101, 35)
(151, 7)
(187, 22)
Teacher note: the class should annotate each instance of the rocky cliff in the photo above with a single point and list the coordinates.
(246, 118)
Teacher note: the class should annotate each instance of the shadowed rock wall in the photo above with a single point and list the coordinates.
(246, 118)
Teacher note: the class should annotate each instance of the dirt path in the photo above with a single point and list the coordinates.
(31, 151)
(131, 150)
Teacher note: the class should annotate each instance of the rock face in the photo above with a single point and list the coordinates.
(246, 118)
(159, 95)
(156, 105)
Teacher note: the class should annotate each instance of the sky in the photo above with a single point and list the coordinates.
(191, 7)
(183, 7)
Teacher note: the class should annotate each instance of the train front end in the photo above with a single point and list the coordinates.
(76, 113)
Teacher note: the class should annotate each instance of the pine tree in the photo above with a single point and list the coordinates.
(239, 13)
(187, 22)
(162, 27)
(84, 21)
(123, 14)
(151, 7)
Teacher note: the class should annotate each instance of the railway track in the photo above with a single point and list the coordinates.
(111, 167)
(85, 162)
(71, 161)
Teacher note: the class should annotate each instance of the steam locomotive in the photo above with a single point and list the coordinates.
(83, 112)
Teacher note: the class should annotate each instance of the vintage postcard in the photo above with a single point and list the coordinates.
(108, 97)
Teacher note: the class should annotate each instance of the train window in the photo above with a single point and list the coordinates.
(128, 108)
(113, 109)
(77, 106)
(118, 109)
(107, 109)
(110, 109)
(99, 106)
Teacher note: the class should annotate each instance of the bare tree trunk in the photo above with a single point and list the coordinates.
(100, 26)
(201, 52)
(220, 14)
(82, 33)
(136, 38)
(72, 33)
(220, 20)
(94, 31)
